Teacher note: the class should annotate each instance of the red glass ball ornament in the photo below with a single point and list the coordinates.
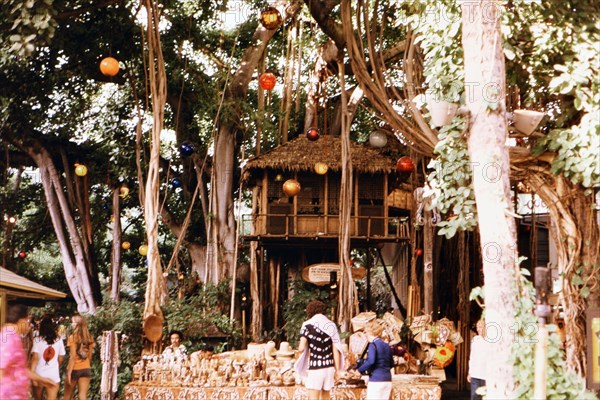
(405, 164)
(22, 254)
(267, 80)
(291, 187)
(109, 66)
(312, 134)
(419, 252)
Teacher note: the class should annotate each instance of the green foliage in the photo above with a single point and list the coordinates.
(449, 180)
(126, 318)
(31, 23)
(197, 316)
(293, 309)
(561, 383)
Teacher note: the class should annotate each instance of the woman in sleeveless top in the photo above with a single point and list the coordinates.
(81, 347)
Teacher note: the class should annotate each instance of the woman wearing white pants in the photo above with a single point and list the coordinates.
(379, 363)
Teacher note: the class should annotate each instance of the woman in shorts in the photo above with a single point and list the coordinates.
(81, 347)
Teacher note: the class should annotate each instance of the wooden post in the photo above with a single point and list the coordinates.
(427, 261)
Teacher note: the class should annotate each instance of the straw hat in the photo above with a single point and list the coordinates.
(270, 350)
(285, 351)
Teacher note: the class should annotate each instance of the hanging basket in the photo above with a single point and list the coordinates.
(441, 112)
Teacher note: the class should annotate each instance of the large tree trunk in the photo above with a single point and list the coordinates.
(158, 91)
(484, 68)
(576, 236)
(221, 232)
(70, 243)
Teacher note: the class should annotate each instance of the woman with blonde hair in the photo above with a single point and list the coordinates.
(378, 364)
(81, 347)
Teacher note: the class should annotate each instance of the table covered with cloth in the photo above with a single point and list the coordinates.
(405, 387)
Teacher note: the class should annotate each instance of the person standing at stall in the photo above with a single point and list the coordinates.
(47, 355)
(321, 352)
(477, 360)
(81, 347)
(378, 364)
(175, 349)
(14, 374)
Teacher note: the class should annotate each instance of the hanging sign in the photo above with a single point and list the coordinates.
(320, 274)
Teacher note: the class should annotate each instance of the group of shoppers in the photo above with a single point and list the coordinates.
(321, 358)
(42, 366)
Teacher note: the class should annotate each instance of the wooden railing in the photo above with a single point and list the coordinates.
(315, 225)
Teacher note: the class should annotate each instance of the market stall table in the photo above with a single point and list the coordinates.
(405, 387)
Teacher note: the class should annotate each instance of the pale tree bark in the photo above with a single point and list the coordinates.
(158, 91)
(115, 260)
(347, 297)
(69, 240)
(221, 232)
(487, 128)
(576, 236)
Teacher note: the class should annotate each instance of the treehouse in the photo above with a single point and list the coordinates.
(379, 210)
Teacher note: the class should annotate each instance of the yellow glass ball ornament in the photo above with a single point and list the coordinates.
(143, 250)
(81, 170)
(321, 168)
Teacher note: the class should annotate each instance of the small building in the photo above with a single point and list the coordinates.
(15, 288)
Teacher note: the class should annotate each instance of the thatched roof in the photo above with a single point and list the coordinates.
(301, 154)
(17, 286)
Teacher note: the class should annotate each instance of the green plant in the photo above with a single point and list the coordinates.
(293, 309)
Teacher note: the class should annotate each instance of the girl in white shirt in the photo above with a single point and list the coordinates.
(47, 354)
(477, 360)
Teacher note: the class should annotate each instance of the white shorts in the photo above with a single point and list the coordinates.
(379, 390)
(320, 379)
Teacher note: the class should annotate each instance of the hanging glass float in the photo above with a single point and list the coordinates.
(80, 170)
(22, 254)
(267, 80)
(270, 18)
(278, 178)
(186, 149)
(176, 183)
(312, 134)
(109, 66)
(321, 168)
(405, 165)
(419, 252)
(125, 245)
(124, 191)
(143, 250)
(291, 187)
(378, 139)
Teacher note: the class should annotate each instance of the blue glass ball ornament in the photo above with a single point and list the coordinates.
(176, 183)
(186, 149)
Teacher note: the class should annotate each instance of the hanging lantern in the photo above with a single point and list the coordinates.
(22, 254)
(312, 134)
(143, 250)
(278, 178)
(321, 168)
(378, 139)
(124, 191)
(291, 187)
(270, 18)
(176, 183)
(405, 165)
(81, 170)
(186, 149)
(109, 66)
(125, 245)
(267, 80)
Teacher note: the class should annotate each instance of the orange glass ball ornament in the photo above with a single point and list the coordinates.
(267, 80)
(405, 164)
(125, 245)
(291, 187)
(270, 18)
(109, 66)
(321, 168)
(419, 252)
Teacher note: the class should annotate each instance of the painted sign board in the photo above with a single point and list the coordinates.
(319, 274)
